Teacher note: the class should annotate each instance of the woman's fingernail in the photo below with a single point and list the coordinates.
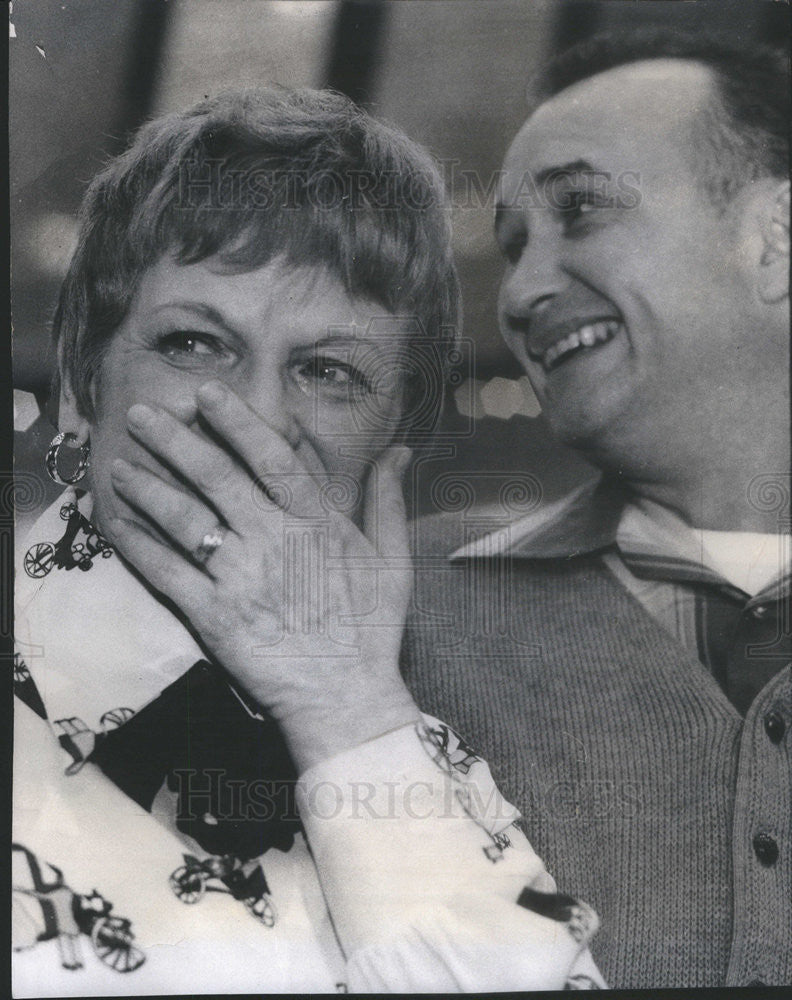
(213, 393)
(140, 415)
(121, 469)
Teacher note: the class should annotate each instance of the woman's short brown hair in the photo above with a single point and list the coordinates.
(251, 175)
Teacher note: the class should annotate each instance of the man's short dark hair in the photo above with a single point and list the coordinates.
(744, 137)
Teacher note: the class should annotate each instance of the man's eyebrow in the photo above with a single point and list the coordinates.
(565, 169)
(537, 182)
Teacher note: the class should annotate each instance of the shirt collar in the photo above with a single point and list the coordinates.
(93, 637)
(582, 522)
(654, 541)
(656, 544)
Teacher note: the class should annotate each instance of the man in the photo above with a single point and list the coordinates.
(622, 657)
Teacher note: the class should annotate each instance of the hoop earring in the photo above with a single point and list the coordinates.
(51, 460)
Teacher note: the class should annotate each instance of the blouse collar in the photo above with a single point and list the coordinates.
(94, 638)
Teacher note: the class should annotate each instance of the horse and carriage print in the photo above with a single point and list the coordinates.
(45, 908)
(70, 551)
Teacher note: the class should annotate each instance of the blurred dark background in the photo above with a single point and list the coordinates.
(454, 74)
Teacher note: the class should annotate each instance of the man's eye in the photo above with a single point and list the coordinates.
(512, 249)
(512, 239)
(336, 377)
(185, 343)
(577, 205)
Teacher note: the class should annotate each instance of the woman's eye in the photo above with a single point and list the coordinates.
(186, 344)
(337, 378)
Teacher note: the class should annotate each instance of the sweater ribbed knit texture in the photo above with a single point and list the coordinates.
(618, 747)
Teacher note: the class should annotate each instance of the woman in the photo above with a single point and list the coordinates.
(259, 308)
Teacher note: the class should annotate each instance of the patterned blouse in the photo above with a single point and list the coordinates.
(164, 843)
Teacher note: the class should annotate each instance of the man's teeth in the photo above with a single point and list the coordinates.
(585, 336)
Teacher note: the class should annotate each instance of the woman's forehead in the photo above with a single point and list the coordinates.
(277, 293)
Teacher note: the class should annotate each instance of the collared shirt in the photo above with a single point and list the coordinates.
(162, 843)
(743, 638)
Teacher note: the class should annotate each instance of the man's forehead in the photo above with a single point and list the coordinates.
(627, 109)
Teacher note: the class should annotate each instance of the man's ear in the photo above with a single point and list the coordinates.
(773, 273)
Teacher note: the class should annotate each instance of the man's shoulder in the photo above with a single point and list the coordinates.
(577, 523)
(437, 535)
(448, 534)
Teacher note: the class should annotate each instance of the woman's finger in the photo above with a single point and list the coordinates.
(179, 515)
(268, 455)
(385, 516)
(213, 473)
(164, 569)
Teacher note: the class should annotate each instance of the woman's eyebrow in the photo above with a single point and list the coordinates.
(343, 337)
(217, 318)
(202, 309)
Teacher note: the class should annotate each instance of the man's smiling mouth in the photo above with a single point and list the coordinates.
(586, 337)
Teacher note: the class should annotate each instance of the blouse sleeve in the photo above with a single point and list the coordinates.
(430, 883)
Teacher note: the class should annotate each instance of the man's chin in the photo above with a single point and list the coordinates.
(582, 430)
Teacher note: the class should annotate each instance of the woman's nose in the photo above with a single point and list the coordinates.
(264, 392)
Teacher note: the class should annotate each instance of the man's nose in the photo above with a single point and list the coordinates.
(531, 286)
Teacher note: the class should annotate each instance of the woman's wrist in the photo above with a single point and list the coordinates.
(360, 713)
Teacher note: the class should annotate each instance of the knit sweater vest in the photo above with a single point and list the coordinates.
(617, 746)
